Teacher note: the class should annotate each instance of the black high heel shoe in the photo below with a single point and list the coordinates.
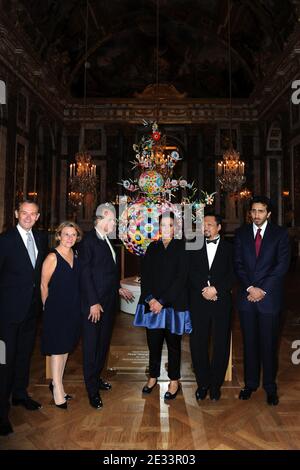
(67, 397)
(172, 396)
(147, 389)
(62, 406)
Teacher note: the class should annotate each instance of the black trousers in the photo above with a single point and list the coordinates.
(96, 341)
(155, 340)
(210, 326)
(260, 336)
(14, 374)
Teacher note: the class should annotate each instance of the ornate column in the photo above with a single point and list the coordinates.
(63, 177)
(10, 168)
(53, 190)
(232, 213)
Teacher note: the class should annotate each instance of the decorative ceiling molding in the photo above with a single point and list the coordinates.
(18, 58)
(181, 111)
(20, 61)
(279, 79)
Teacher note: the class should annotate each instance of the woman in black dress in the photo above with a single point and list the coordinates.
(162, 307)
(60, 297)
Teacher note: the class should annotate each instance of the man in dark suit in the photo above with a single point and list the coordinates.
(262, 256)
(21, 254)
(210, 282)
(99, 288)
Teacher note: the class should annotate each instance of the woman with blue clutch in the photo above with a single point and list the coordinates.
(163, 305)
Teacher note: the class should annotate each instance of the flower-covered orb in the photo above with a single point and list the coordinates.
(151, 182)
(139, 224)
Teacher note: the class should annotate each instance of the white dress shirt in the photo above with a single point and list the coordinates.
(263, 229)
(23, 234)
(106, 239)
(211, 249)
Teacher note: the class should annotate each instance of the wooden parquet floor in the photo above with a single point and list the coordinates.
(129, 420)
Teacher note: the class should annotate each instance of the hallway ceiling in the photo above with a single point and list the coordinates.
(193, 52)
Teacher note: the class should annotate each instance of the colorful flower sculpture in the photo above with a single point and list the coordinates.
(154, 190)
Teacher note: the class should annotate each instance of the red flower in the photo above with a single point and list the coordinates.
(156, 136)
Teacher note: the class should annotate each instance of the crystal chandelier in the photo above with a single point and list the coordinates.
(83, 176)
(231, 169)
(245, 193)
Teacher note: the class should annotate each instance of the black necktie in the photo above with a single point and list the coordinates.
(212, 241)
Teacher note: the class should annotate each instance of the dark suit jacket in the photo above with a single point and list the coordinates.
(19, 281)
(267, 271)
(99, 275)
(220, 275)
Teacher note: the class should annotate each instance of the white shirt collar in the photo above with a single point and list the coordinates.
(105, 238)
(100, 234)
(23, 234)
(263, 228)
(22, 231)
(217, 238)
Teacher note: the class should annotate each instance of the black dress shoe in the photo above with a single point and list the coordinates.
(201, 393)
(5, 428)
(272, 399)
(67, 397)
(246, 393)
(95, 401)
(27, 402)
(104, 385)
(171, 396)
(215, 394)
(147, 389)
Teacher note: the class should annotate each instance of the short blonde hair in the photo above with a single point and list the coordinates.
(65, 224)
